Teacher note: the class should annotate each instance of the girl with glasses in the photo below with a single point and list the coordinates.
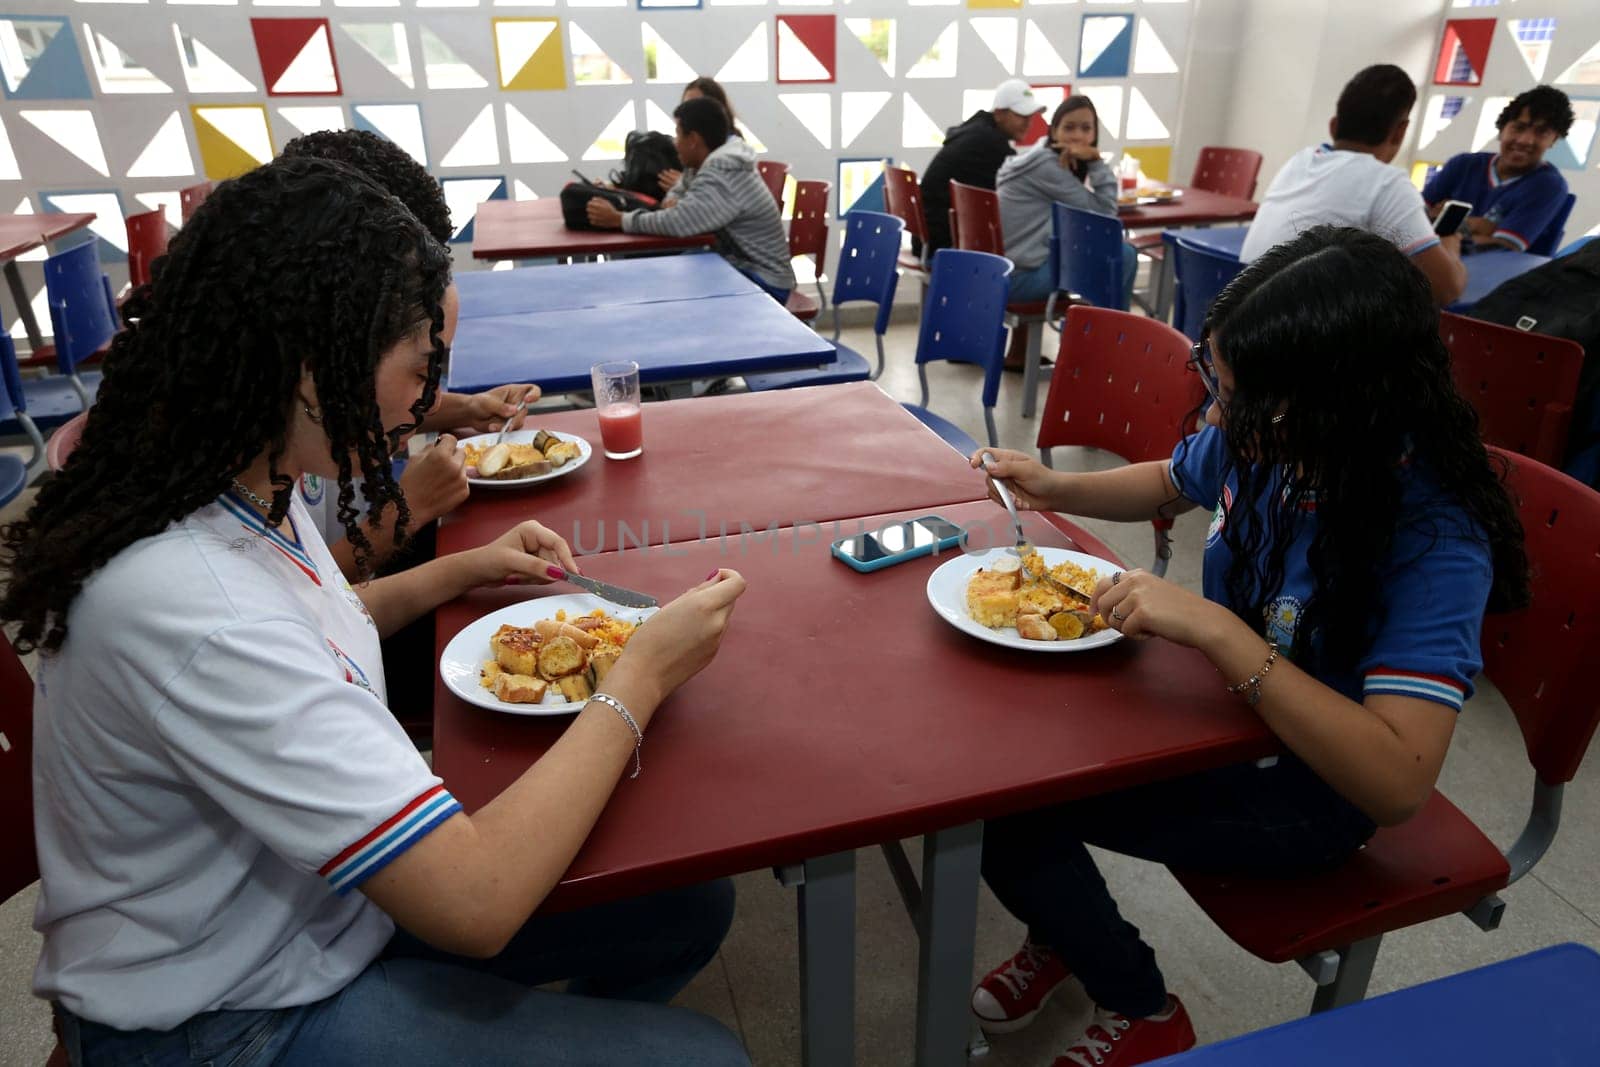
(1358, 533)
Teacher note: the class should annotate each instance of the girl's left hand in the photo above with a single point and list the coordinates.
(487, 412)
(1142, 605)
(522, 554)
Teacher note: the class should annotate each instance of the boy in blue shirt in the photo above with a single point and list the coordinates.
(1515, 194)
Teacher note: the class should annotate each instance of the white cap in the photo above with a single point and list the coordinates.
(1015, 95)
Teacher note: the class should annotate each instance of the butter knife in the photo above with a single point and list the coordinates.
(604, 590)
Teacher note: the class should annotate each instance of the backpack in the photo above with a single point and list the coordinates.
(645, 154)
(1562, 299)
(575, 197)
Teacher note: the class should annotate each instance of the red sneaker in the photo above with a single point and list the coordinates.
(1113, 1040)
(1011, 995)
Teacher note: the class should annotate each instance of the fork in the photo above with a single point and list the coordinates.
(1024, 548)
(505, 427)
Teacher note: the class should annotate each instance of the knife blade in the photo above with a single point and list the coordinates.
(605, 590)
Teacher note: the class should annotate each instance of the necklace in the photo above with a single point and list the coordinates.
(244, 491)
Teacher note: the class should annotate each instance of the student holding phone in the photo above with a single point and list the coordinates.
(1360, 529)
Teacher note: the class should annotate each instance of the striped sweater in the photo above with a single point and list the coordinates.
(727, 197)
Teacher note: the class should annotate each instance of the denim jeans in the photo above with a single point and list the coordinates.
(1038, 282)
(1241, 819)
(417, 1007)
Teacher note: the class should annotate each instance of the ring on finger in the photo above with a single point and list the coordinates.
(1118, 616)
(1116, 577)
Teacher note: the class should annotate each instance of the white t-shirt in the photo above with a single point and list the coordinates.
(321, 498)
(1327, 186)
(214, 772)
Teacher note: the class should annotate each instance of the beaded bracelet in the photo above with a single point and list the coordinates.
(627, 717)
(1251, 686)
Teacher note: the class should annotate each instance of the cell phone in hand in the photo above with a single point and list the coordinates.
(896, 542)
(1451, 215)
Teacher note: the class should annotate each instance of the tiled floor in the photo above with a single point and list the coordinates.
(753, 986)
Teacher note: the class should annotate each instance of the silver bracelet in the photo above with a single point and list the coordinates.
(627, 716)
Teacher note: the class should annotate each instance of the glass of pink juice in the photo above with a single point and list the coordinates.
(616, 401)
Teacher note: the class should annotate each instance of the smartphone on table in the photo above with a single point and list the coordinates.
(1451, 215)
(896, 542)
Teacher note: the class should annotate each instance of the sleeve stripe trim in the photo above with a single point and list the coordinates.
(1515, 238)
(385, 850)
(1421, 246)
(1413, 684)
(385, 829)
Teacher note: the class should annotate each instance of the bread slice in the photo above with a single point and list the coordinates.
(1035, 628)
(531, 469)
(520, 689)
(576, 687)
(559, 657)
(516, 650)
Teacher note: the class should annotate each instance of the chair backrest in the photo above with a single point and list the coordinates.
(773, 173)
(19, 866)
(65, 440)
(191, 198)
(1201, 275)
(808, 224)
(963, 314)
(12, 398)
(1227, 171)
(1547, 242)
(866, 268)
(1122, 383)
(1086, 256)
(975, 219)
(902, 198)
(1522, 384)
(147, 240)
(83, 311)
(1539, 657)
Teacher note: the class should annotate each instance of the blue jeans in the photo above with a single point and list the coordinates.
(1242, 819)
(780, 295)
(417, 1007)
(1038, 282)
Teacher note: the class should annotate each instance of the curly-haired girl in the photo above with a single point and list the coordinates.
(1359, 532)
(230, 824)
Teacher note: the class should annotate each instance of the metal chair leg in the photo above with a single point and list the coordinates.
(1348, 984)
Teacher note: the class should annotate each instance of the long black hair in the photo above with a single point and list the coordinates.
(1341, 383)
(302, 265)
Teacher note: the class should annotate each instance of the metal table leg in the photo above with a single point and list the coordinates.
(24, 309)
(827, 902)
(947, 925)
(1032, 364)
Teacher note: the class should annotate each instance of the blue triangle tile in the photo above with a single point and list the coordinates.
(57, 73)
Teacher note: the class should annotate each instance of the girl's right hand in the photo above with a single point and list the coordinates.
(1033, 485)
(678, 641)
(668, 178)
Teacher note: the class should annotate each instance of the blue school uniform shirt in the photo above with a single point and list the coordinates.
(1433, 588)
(1521, 208)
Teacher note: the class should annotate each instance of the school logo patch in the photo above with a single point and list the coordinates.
(312, 488)
(1282, 619)
(355, 601)
(352, 670)
(1219, 518)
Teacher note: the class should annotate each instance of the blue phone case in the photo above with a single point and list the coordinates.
(899, 557)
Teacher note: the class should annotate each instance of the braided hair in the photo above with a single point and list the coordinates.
(302, 266)
(1341, 383)
(386, 163)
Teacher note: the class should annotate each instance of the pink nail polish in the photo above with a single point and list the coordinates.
(555, 572)
(712, 575)
(513, 580)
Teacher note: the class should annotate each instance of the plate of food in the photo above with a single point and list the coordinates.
(540, 657)
(996, 597)
(525, 457)
(1145, 197)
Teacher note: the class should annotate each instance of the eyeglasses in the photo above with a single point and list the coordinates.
(1200, 362)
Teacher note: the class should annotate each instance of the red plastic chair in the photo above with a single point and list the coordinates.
(975, 227)
(193, 197)
(1522, 384)
(1220, 170)
(1122, 383)
(65, 440)
(808, 236)
(902, 198)
(773, 173)
(1440, 862)
(19, 864)
(147, 239)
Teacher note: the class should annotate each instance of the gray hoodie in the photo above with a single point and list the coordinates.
(726, 196)
(1027, 185)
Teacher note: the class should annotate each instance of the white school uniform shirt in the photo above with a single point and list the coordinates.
(1327, 186)
(214, 772)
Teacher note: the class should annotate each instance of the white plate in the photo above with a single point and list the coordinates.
(525, 437)
(947, 592)
(462, 662)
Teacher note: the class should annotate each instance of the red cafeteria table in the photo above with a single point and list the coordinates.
(520, 229)
(806, 740)
(20, 234)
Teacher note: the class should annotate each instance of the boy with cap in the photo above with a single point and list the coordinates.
(972, 154)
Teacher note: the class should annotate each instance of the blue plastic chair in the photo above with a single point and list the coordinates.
(29, 408)
(1200, 275)
(866, 274)
(13, 477)
(1547, 242)
(963, 321)
(1086, 259)
(83, 311)
(1574, 246)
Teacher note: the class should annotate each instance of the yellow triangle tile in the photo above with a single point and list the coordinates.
(546, 68)
(220, 156)
(1154, 159)
(991, 4)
